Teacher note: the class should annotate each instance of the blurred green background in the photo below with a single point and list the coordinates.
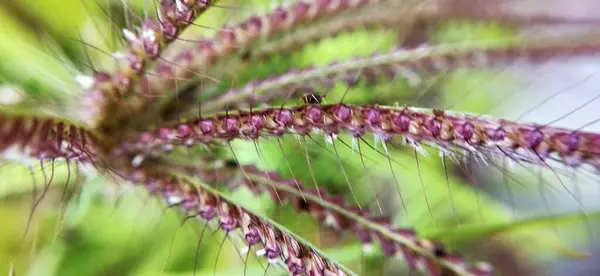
(107, 228)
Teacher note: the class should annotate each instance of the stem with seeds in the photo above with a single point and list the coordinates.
(184, 63)
(445, 130)
(24, 137)
(106, 91)
(196, 199)
(334, 212)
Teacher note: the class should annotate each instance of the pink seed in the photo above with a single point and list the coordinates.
(185, 17)
(146, 138)
(301, 9)
(152, 49)
(165, 134)
(497, 135)
(434, 126)
(228, 223)
(102, 77)
(136, 63)
(314, 114)
(466, 131)
(372, 116)
(532, 138)
(278, 17)
(169, 30)
(206, 126)
(256, 121)
(252, 237)
(567, 142)
(231, 125)
(284, 117)
(184, 131)
(254, 24)
(342, 112)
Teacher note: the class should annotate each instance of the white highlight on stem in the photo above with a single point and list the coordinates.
(84, 81)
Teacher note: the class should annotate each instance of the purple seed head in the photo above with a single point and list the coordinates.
(497, 134)
(401, 121)
(184, 131)
(296, 266)
(150, 25)
(466, 131)
(343, 113)
(164, 70)
(532, 137)
(231, 125)
(301, 9)
(207, 49)
(227, 37)
(102, 77)
(252, 236)
(167, 7)
(323, 4)
(434, 126)
(284, 117)
(146, 138)
(122, 82)
(203, 3)
(315, 114)
(279, 16)
(256, 121)
(169, 30)
(228, 223)
(351, 79)
(185, 17)
(190, 203)
(153, 186)
(273, 253)
(254, 24)
(372, 116)
(135, 63)
(206, 126)
(152, 49)
(567, 143)
(165, 134)
(389, 247)
(363, 235)
(207, 212)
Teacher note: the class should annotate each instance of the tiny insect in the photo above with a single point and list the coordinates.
(311, 98)
(440, 252)
(231, 164)
(246, 56)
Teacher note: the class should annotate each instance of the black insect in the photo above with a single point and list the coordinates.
(246, 55)
(311, 98)
(231, 164)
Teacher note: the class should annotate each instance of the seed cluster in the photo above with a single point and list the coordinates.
(244, 34)
(148, 42)
(524, 142)
(143, 45)
(186, 63)
(23, 138)
(277, 246)
(429, 263)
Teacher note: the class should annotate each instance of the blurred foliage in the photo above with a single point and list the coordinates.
(113, 229)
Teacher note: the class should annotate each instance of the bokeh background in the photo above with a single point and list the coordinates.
(94, 226)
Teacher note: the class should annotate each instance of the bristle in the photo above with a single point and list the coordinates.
(29, 138)
(412, 65)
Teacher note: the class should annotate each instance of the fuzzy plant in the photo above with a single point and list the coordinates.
(318, 137)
